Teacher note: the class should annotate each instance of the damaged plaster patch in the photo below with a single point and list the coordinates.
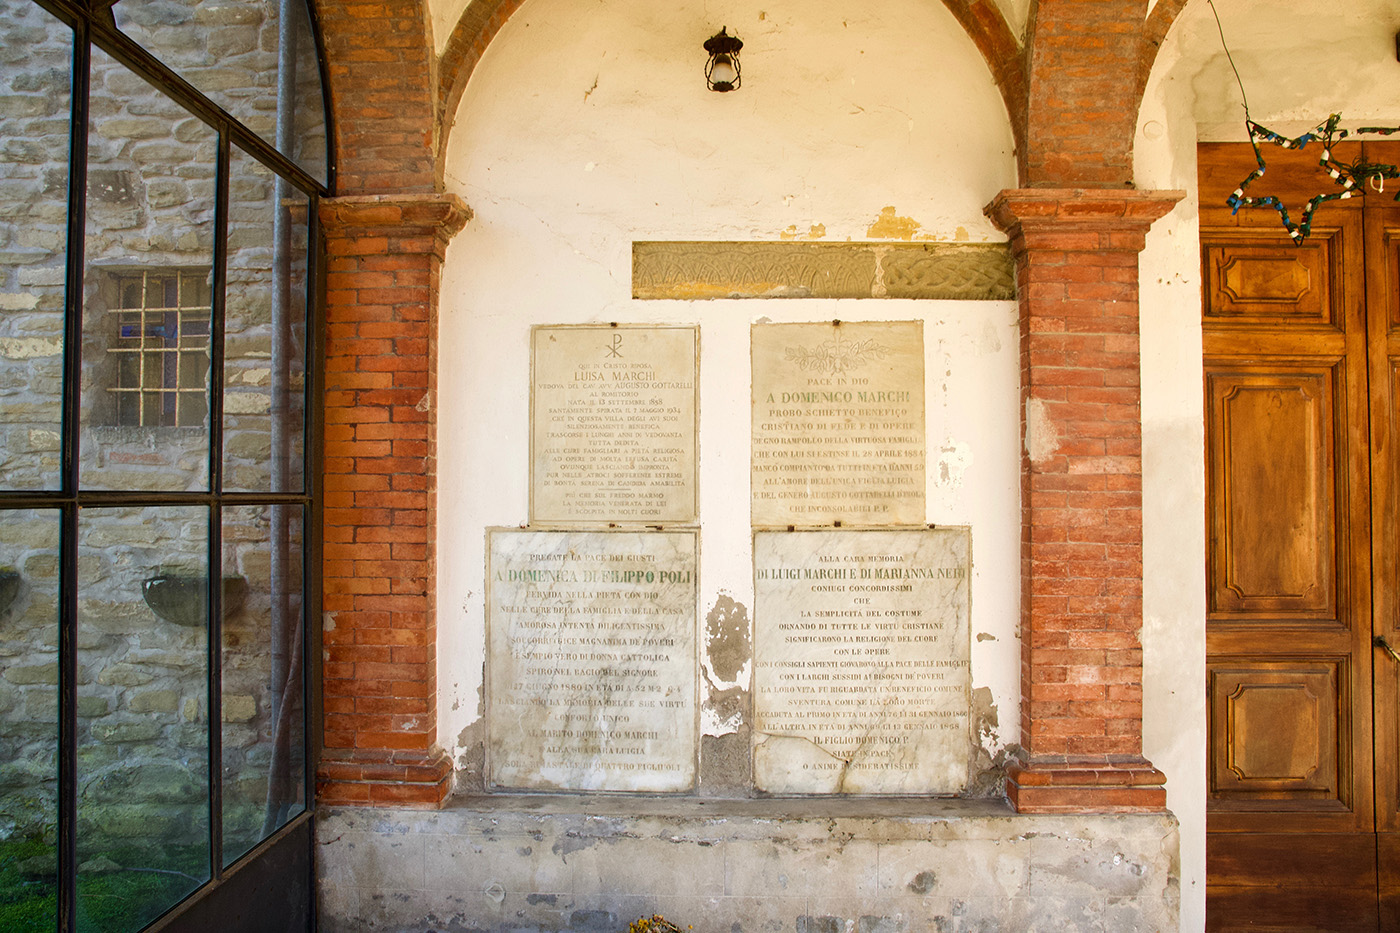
(471, 750)
(890, 226)
(727, 638)
(726, 765)
(923, 882)
(728, 649)
(954, 457)
(1042, 440)
(815, 232)
(987, 773)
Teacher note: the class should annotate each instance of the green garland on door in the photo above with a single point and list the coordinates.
(1353, 178)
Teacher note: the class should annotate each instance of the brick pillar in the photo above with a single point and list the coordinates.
(380, 665)
(1081, 498)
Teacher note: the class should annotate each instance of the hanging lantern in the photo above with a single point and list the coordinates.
(722, 69)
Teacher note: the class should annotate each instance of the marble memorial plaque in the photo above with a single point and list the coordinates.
(612, 424)
(861, 676)
(591, 670)
(838, 423)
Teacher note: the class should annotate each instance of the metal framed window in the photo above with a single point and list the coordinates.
(161, 269)
(160, 348)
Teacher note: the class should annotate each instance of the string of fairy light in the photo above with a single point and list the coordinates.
(1351, 178)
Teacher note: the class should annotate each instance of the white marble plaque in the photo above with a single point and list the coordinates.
(838, 423)
(861, 677)
(591, 664)
(612, 424)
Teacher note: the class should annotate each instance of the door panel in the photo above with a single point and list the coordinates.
(1326, 883)
(1249, 285)
(1255, 763)
(1273, 489)
(1388, 866)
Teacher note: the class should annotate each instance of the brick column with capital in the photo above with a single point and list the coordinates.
(379, 687)
(1081, 498)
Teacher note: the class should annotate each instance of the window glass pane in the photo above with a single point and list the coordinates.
(29, 720)
(255, 58)
(264, 747)
(35, 68)
(265, 331)
(146, 289)
(143, 790)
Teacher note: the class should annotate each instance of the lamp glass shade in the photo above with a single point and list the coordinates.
(723, 74)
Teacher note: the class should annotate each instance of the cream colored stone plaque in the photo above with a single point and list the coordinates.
(591, 664)
(861, 677)
(613, 424)
(838, 423)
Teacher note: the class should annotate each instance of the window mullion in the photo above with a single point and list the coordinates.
(67, 832)
(216, 485)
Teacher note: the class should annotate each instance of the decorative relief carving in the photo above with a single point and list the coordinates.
(752, 270)
(700, 270)
(944, 270)
(834, 357)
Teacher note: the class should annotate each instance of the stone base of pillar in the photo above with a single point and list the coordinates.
(1132, 786)
(385, 779)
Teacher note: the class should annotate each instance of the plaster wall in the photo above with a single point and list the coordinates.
(443, 16)
(1298, 64)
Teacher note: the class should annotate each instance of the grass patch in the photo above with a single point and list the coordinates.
(141, 883)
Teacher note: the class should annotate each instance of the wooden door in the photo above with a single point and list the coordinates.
(1300, 345)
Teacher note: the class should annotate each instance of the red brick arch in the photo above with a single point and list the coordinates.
(480, 23)
(1072, 95)
(381, 67)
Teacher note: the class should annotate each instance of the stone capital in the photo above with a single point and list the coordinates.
(1078, 218)
(438, 215)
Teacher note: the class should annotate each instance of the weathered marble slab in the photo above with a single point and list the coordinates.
(861, 677)
(838, 423)
(591, 660)
(612, 424)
